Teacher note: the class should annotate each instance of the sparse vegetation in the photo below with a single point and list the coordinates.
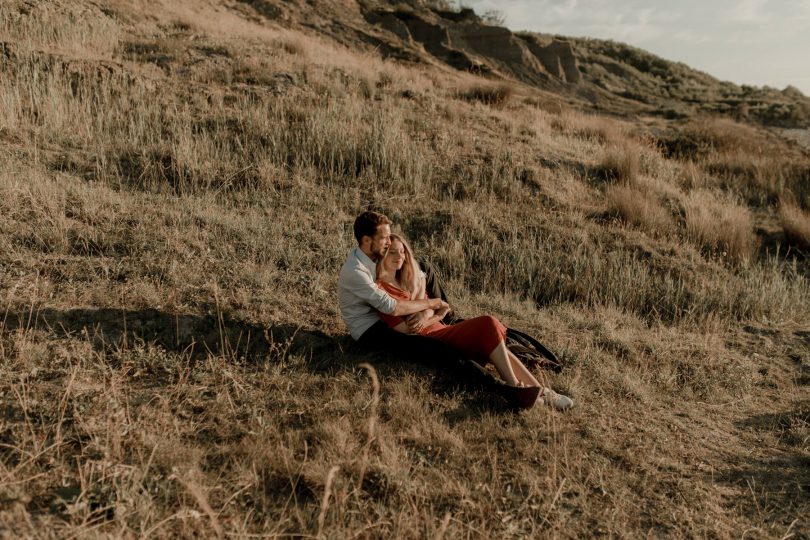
(172, 219)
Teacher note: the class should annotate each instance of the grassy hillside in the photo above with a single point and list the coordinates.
(177, 190)
(627, 78)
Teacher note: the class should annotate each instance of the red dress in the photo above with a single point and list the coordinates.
(476, 337)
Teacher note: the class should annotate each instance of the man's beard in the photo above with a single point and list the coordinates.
(378, 253)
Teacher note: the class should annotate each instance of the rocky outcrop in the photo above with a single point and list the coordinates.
(463, 41)
(433, 36)
(390, 22)
(557, 57)
(499, 47)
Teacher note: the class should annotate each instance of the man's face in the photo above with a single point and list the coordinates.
(380, 241)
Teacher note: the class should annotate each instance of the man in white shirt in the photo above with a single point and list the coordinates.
(360, 298)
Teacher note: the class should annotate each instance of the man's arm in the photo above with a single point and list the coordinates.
(406, 327)
(362, 286)
(423, 319)
(407, 307)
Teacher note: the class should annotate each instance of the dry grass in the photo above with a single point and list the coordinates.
(79, 29)
(744, 160)
(600, 129)
(172, 362)
(691, 176)
(620, 163)
(796, 225)
(720, 225)
(494, 95)
(637, 207)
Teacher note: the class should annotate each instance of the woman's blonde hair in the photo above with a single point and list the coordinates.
(410, 275)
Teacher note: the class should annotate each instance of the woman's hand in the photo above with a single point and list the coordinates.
(417, 321)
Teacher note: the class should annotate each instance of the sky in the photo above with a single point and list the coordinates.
(757, 42)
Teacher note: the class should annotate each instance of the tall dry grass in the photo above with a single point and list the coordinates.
(269, 145)
(796, 225)
(638, 207)
(173, 362)
(141, 139)
(590, 127)
(494, 95)
(620, 163)
(561, 263)
(746, 161)
(80, 29)
(720, 225)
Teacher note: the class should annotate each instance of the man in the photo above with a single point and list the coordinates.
(360, 299)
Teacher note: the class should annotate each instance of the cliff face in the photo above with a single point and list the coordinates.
(462, 40)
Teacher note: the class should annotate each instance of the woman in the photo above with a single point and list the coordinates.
(482, 338)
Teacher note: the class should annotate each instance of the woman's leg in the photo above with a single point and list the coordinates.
(521, 372)
(484, 337)
(512, 371)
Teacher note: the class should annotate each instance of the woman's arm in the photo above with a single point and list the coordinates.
(407, 307)
(421, 319)
(437, 316)
(403, 328)
(406, 328)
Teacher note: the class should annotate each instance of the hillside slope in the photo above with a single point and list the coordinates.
(177, 189)
(595, 74)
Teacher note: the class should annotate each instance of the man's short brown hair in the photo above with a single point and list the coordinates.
(366, 224)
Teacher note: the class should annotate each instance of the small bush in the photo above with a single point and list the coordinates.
(722, 134)
(291, 46)
(691, 176)
(589, 127)
(621, 163)
(796, 225)
(719, 225)
(637, 207)
(493, 95)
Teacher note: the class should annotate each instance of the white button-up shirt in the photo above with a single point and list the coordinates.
(358, 296)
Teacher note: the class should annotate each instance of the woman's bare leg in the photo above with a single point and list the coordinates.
(521, 372)
(503, 363)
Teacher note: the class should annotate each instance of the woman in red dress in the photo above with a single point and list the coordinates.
(483, 338)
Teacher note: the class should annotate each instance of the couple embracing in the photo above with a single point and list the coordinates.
(384, 300)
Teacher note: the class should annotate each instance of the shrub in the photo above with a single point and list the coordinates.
(493, 95)
(691, 176)
(620, 163)
(637, 207)
(796, 225)
(719, 225)
(589, 127)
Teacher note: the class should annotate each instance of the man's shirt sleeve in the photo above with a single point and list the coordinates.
(364, 288)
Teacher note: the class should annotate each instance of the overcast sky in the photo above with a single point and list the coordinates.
(760, 42)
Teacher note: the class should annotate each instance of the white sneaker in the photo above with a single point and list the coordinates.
(558, 401)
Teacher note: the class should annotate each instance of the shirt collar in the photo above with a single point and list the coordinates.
(365, 260)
